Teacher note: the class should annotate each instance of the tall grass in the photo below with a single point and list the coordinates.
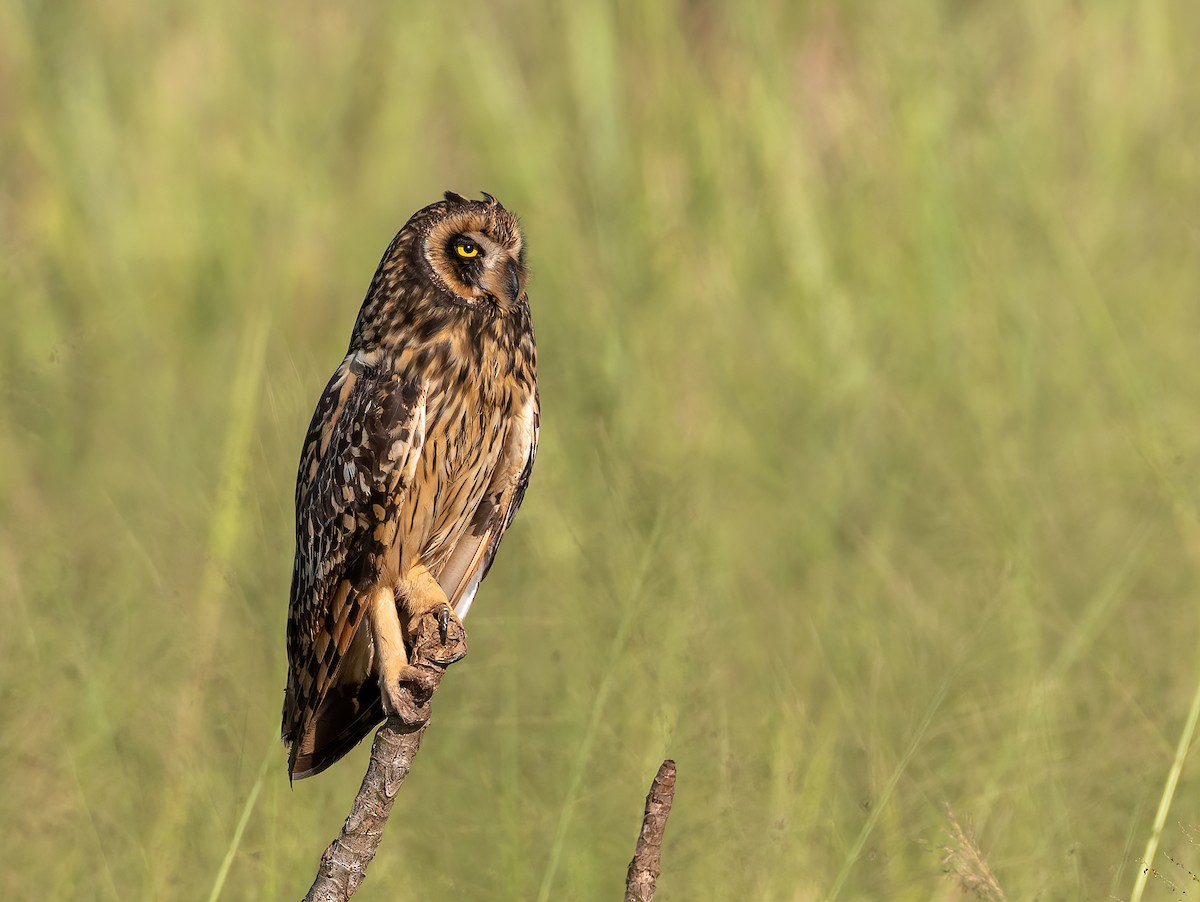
(867, 483)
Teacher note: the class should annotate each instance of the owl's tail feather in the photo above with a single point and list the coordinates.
(347, 713)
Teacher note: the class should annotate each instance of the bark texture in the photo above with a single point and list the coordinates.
(644, 868)
(344, 864)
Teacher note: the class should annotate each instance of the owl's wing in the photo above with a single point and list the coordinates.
(358, 460)
(472, 557)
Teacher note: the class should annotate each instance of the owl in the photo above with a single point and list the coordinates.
(416, 460)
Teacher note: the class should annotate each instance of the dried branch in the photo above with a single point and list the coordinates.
(344, 864)
(644, 868)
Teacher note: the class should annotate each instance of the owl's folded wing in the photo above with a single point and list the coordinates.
(358, 461)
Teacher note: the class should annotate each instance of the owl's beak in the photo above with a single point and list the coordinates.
(514, 281)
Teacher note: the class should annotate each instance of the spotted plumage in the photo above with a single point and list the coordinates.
(413, 467)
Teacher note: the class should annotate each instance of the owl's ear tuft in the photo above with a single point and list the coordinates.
(492, 202)
(455, 198)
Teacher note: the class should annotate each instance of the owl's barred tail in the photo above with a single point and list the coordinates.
(346, 715)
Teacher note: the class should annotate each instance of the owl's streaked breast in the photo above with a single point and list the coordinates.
(463, 444)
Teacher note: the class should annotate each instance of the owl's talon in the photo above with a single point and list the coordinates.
(438, 636)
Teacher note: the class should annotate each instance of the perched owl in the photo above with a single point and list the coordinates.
(416, 460)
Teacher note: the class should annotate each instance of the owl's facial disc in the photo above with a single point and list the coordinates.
(476, 254)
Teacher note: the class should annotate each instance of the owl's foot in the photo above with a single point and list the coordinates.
(438, 640)
(410, 667)
(437, 636)
(407, 694)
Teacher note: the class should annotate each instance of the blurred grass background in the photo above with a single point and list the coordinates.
(867, 480)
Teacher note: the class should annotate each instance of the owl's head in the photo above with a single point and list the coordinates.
(473, 250)
(457, 260)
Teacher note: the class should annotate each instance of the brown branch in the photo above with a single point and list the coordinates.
(644, 868)
(344, 864)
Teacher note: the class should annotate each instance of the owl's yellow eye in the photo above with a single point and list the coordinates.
(466, 248)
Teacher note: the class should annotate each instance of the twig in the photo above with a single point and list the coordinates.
(344, 864)
(644, 868)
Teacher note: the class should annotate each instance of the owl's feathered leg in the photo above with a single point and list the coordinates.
(391, 663)
(421, 595)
